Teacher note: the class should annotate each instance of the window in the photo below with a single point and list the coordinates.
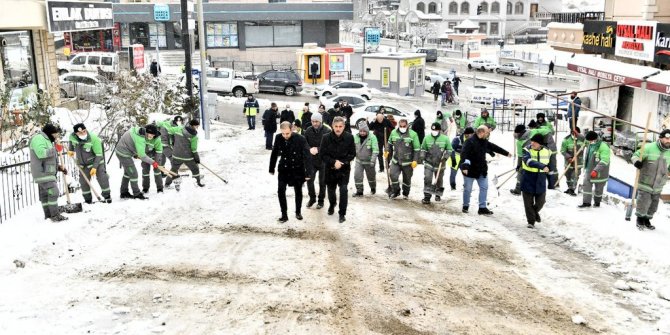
(273, 33)
(518, 7)
(485, 7)
(432, 8)
(354, 85)
(94, 60)
(106, 61)
(495, 7)
(80, 60)
(222, 35)
(157, 35)
(276, 1)
(452, 25)
(465, 8)
(420, 7)
(509, 8)
(482, 27)
(453, 8)
(494, 28)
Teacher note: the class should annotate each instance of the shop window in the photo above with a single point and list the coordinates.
(495, 7)
(125, 35)
(16, 59)
(273, 33)
(494, 28)
(222, 35)
(157, 35)
(482, 27)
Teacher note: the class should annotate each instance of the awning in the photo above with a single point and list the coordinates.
(610, 70)
(660, 83)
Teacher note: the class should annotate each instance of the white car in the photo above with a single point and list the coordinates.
(483, 65)
(345, 87)
(90, 62)
(83, 85)
(369, 112)
(512, 68)
(353, 100)
(228, 81)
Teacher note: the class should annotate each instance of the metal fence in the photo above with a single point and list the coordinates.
(17, 187)
(251, 67)
(510, 117)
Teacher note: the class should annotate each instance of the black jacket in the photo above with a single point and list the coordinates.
(314, 138)
(296, 161)
(436, 88)
(348, 112)
(155, 69)
(340, 148)
(270, 120)
(473, 156)
(326, 118)
(381, 128)
(306, 119)
(419, 127)
(287, 115)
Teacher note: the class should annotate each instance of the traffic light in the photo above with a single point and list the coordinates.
(479, 9)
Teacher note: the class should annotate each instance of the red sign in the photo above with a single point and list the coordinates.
(658, 87)
(138, 56)
(615, 78)
(116, 36)
(340, 50)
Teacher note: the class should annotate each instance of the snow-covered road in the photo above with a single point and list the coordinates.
(215, 261)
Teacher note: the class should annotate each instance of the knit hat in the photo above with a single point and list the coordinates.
(79, 127)
(532, 124)
(436, 126)
(297, 123)
(469, 130)
(457, 112)
(484, 110)
(317, 117)
(152, 129)
(665, 133)
(194, 122)
(417, 113)
(540, 115)
(591, 136)
(576, 131)
(519, 129)
(50, 129)
(177, 118)
(363, 126)
(538, 138)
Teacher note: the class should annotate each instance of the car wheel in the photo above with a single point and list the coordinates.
(239, 92)
(62, 72)
(326, 94)
(365, 97)
(289, 90)
(513, 73)
(521, 74)
(469, 67)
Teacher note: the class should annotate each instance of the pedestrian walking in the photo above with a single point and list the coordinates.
(186, 151)
(461, 121)
(337, 151)
(443, 91)
(154, 68)
(295, 167)
(86, 148)
(419, 125)
(521, 140)
(314, 135)
(457, 82)
(404, 149)
(326, 118)
(450, 93)
(436, 89)
(269, 120)
(547, 130)
(381, 128)
(574, 112)
(457, 147)
(654, 166)
(133, 144)
(534, 182)
(305, 116)
(571, 144)
(485, 119)
(435, 150)
(346, 109)
(596, 170)
(250, 110)
(367, 150)
(551, 68)
(287, 115)
(44, 148)
(475, 168)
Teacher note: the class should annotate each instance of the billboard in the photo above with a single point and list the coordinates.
(599, 37)
(662, 54)
(636, 39)
(64, 16)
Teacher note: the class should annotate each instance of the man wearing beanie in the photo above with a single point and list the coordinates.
(654, 166)
(314, 134)
(91, 159)
(186, 151)
(596, 170)
(404, 150)
(44, 149)
(547, 130)
(167, 140)
(381, 127)
(461, 121)
(132, 144)
(457, 146)
(367, 150)
(444, 120)
(534, 182)
(572, 144)
(155, 151)
(419, 125)
(435, 150)
(485, 120)
(522, 140)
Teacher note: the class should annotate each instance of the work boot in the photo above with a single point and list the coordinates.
(88, 201)
(484, 211)
(465, 209)
(596, 202)
(342, 218)
(531, 225)
(648, 225)
(319, 205)
(298, 216)
(373, 190)
(58, 217)
(515, 191)
(310, 203)
(537, 217)
(358, 194)
(570, 192)
(140, 196)
(107, 200)
(160, 190)
(453, 187)
(126, 195)
(145, 190)
(584, 205)
(331, 209)
(641, 223)
(438, 198)
(426, 199)
(283, 218)
(394, 195)
(47, 212)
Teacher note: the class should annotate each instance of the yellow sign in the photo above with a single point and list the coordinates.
(412, 62)
(386, 77)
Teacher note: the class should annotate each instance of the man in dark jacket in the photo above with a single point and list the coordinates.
(346, 109)
(419, 125)
(573, 110)
(382, 128)
(287, 115)
(326, 118)
(295, 166)
(457, 146)
(436, 89)
(337, 151)
(535, 163)
(305, 116)
(457, 82)
(314, 134)
(270, 124)
(155, 69)
(474, 167)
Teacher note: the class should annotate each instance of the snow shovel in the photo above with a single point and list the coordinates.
(214, 173)
(495, 179)
(70, 207)
(167, 172)
(433, 188)
(97, 195)
(629, 208)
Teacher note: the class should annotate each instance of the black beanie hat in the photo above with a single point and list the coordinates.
(177, 118)
(417, 113)
(532, 124)
(152, 129)
(665, 133)
(591, 136)
(194, 122)
(78, 127)
(457, 112)
(436, 126)
(537, 138)
(469, 130)
(519, 129)
(50, 129)
(540, 115)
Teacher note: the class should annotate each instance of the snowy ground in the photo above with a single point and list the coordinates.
(215, 261)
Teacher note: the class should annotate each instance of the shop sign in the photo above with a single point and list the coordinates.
(138, 56)
(161, 12)
(636, 39)
(599, 36)
(373, 37)
(340, 50)
(336, 62)
(412, 62)
(615, 78)
(386, 77)
(116, 35)
(66, 16)
(662, 54)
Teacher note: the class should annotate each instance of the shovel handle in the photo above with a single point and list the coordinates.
(65, 185)
(167, 172)
(88, 182)
(214, 173)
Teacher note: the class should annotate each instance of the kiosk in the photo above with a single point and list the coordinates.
(400, 73)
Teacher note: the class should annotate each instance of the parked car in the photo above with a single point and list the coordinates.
(227, 81)
(282, 81)
(89, 62)
(482, 64)
(345, 87)
(83, 85)
(431, 54)
(369, 112)
(511, 68)
(353, 100)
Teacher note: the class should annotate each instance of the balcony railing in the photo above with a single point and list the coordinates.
(577, 17)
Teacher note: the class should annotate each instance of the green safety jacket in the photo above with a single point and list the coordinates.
(405, 148)
(655, 167)
(366, 151)
(568, 148)
(435, 150)
(597, 158)
(89, 151)
(43, 161)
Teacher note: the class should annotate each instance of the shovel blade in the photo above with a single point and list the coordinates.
(71, 208)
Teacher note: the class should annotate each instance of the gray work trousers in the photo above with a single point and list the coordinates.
(429, 175)
(129, 175)
(571, 176)
(167, 155)
(592, 190)
(370, 172)
(406, 172)
(646, 204)
(48, 195)
(146, 177)
(176, 164)
(532, 204)
(103, 180)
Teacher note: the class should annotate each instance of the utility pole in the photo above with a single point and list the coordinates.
(186, 43)
(203, 73)
(397, 32)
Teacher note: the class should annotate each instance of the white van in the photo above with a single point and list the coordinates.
(89, 62)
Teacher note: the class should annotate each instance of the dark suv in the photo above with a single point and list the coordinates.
(286, 81)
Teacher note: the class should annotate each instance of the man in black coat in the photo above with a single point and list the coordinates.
(337, 152)
(436, 89)
(314, 134)
(474, 167)
(382, 128)
(295, 166)
(270, 124)
(419, 125)
(346, 109)
(287, 115)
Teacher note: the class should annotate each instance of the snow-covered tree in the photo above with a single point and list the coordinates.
(423, 30)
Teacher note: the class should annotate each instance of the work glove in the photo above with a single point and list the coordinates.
(93, 172)
(414, 164)
(59, 147)
(70, 153)
(386, 154)
(155, 165)
(638, 164)
(594, 174)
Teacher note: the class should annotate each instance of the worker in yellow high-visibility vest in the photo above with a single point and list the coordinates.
(250, 110)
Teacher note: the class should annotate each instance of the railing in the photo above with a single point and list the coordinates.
(250, 67)
(542, 15)
(510, 117)
(17, 187)
(577, 17)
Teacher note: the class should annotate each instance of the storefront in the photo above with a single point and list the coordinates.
(86, 26)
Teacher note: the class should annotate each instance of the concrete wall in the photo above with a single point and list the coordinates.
(46, 63)
(332, 32)
(373, 77)
(314, 32)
